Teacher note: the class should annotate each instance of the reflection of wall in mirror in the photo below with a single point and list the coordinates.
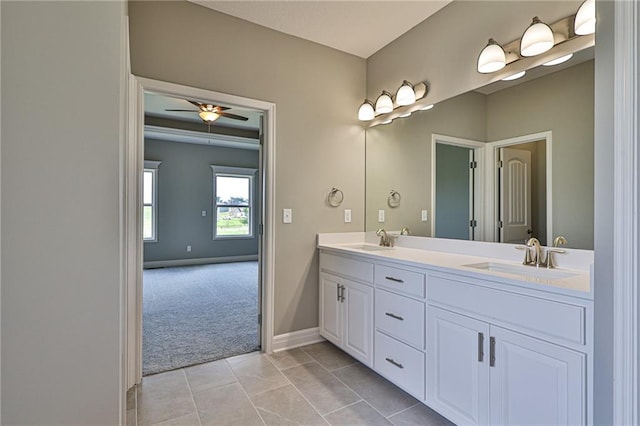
(398, 154)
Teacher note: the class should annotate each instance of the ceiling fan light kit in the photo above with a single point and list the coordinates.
(209, 112)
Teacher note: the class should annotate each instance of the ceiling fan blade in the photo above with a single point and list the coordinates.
(234, 116)
(198, 104)
(182, 110)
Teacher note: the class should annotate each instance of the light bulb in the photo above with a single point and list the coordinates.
(514, 76)
(559, 60)
(585, 22)
(537, 39)
(492, 58)
(405, 94)
(366, 112)
(384, 103)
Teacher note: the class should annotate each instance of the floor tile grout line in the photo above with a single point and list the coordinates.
(342, 408)
(298, 390)
(245, 391)
(193, 399)
(405, 409)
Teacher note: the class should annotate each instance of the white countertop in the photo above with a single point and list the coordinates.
(454, 256)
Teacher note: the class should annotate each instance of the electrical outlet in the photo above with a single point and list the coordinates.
(204, 213)
(287, 216)
(380, 216)
(188, 249)
(347, 216)
(424, 216)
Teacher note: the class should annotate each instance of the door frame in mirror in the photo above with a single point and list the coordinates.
(492, 211)
(479, 183)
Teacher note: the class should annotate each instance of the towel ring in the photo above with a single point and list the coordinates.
(394, 199)
(335, 197)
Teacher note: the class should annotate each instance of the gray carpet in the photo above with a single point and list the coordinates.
(196, 314)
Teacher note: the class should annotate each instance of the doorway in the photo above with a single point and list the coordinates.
(522, 194)
(457, 184)
(240, 221)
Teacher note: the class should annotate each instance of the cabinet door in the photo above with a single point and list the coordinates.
(457, 367)
(358, 321)
(330, 308)
(535, 383)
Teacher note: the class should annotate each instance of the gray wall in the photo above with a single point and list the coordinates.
(185, 189)
(604, 218)
(452, 191)
(563, 103)
(320, 144)
(60, 212)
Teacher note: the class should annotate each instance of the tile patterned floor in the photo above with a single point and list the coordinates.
(313, 385)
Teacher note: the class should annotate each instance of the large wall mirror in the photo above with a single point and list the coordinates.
(505, 162)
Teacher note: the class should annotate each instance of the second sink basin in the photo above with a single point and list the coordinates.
(522, 270)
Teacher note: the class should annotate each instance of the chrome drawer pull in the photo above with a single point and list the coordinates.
(394, 316)
(392, 361)
(397, 280)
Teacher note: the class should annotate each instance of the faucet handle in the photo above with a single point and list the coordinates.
(527, 255)
(550, 263)
(559, 240)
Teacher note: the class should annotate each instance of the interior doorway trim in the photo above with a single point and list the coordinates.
(479, 181)
(133, 154)
(492, 174)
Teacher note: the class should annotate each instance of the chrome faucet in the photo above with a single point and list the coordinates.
(404, 231)
(386, 240)
(537, 258)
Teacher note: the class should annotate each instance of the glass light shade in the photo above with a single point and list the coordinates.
(209, 115)
(366, 112)
(492, 58)
(515, 76)
(537, 39)
(405, 115)
(426, 108)
(585, 22)
(559, 60)
(384, 103)
(387, 121)
(405, 94)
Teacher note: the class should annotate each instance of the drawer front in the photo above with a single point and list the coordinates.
(551, 319)
(352, 268)
(401, 364)
(400, 280)
(400, 317)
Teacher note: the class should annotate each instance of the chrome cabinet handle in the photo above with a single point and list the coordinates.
(394, 316)
(492, 351)
(397, 280)
(394, 362)
(480, 347)
(338, 291)
(342, 292)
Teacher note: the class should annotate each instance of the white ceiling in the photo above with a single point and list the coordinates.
(358, 27)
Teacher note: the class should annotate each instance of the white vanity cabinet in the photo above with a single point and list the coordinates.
(493, 364)
(346, 305)
(479, 349)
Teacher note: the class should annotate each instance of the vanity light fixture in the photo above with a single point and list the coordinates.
(559, 60)
(537, 39)
(405, 115)
(209, 116)
(384, 103)
(366, 111)
(387, 121)
(585, 22)
(492, 58)
(515, 76)
(405, 94)
(426, 108)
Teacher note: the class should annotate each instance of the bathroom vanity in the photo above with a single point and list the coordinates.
(463, 326)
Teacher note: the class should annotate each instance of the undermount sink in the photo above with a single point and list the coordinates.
(522, 270)
(369, 247)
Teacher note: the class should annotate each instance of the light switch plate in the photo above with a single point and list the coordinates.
(380, 216)
(424, 215)
(204, 213)
(188, 249)
(287, 216)
(347, 216)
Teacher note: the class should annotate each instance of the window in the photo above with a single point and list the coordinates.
(150, 201)
(233, 202)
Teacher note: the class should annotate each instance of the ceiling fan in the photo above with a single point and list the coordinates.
(209, 112)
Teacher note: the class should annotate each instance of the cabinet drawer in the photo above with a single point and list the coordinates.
(348, 267)
(400, 317)
(557, 320)
(400, 280)
(401, 364)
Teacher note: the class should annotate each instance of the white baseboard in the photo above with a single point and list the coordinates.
(296, 339)
(198, 261)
